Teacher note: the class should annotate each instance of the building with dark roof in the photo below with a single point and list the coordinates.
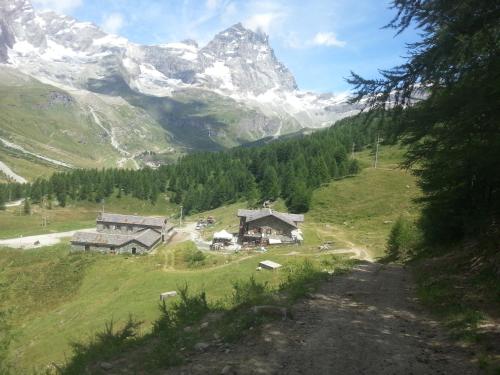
(123, 234)
(266, 226)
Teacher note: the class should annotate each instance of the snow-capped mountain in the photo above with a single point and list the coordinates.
(238, 63)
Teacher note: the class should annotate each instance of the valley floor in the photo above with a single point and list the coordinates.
(364, 322)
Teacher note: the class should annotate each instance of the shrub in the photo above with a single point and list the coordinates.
(166, 352)
(194, 258)
(301, 279)
(104, 345)
(250, 292)
(191, 307)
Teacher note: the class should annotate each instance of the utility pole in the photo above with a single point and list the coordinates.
(376, 152)
(180, 219)
(102, 205)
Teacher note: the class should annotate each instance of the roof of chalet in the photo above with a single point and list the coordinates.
(151, 221)
(147, 238)
(252, 215)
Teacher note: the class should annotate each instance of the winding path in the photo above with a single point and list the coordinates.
(114, 142)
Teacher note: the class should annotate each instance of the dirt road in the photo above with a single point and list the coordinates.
(32, 242)
(188, 231)
(365, 322)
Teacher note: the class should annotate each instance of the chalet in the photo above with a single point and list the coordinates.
(123, 234)
(268, 227)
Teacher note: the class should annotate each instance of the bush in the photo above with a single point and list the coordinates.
(301, 279)
(190, 255)
(191, 307)
(403, 240)
(195, 258)
(251, 292)
(166, 352)
(104, 345)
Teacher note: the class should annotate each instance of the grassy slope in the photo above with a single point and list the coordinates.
(109, 288)
(59, 131)
(26, 166)
(360, 210)
(69, 308)
(32, 117)
(354, 211)
(74, 216)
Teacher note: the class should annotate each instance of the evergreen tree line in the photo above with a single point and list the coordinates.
(290, 169)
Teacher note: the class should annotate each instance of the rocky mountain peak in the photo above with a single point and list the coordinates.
(238, 63)
(244, 61)
(190, 42)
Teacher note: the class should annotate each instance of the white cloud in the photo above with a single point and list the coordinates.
(59, 6)
(113, 22)
(262, 21)
(328, 39)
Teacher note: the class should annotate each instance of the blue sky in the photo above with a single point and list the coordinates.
(320, 41)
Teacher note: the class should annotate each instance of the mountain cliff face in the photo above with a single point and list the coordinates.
(234, 89)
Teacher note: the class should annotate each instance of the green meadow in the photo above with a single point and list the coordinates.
(54, 297)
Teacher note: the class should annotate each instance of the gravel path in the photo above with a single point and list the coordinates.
(189, 230)
(32, 242)
(365, 322)
(4, 168)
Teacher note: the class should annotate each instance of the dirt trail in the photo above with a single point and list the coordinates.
(365, 322)
(188, 231)
(114, 142)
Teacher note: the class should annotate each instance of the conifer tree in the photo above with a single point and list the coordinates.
(269, 186)
(27, 206)
(444, 101)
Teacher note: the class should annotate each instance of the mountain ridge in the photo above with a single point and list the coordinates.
(233, 90)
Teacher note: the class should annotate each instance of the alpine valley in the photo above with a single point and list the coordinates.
(72, 95)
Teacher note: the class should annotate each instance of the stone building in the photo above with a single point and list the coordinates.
(123, 234)
(266, 226)
(127, 224)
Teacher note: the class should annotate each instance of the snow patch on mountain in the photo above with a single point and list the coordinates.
(221, 73)
(237, 63)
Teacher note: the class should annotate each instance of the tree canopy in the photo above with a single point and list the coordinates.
(290, 169)
(445, 102)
